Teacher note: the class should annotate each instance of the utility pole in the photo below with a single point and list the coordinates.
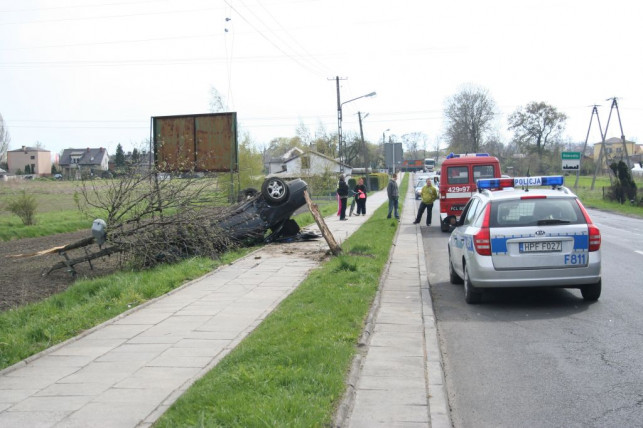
(594, 112)
(364, 150)
(339, 126)
(600, 156)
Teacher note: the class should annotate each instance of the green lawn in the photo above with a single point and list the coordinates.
(56, 211)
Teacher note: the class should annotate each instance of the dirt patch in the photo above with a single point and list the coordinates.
(21, 279)
(22, 282)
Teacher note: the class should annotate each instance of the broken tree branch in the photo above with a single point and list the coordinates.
(328, 236)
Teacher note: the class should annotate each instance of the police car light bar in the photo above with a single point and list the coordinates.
(502, 183)
(466, 155)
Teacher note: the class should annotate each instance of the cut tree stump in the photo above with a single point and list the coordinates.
(328, 236)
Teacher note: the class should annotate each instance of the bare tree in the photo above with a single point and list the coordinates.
(217, 102)
(154, 218)
(303, 133)
(413, 142)
(5, 139)
(469, 115)
(537, 125)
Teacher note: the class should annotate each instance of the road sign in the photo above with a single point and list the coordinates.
(571, 161)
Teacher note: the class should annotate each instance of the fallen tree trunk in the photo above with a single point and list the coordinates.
(328, 236)
(61, 249)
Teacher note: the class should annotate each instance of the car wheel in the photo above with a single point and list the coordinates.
(591, 292)
(444, 226)
(471, 294)
(275, 191)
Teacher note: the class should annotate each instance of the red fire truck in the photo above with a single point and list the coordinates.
(458, 177)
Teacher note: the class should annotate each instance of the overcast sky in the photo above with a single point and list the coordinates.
(91, 73)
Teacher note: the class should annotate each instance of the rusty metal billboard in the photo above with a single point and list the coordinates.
(198, 142)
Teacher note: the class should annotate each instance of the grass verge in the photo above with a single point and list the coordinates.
(30, 329)
(291, 370)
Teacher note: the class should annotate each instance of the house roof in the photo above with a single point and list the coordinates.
(316, 154)
(27, 149)
(88, 156)
(614, 140)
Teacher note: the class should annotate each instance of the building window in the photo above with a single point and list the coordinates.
(33, 157)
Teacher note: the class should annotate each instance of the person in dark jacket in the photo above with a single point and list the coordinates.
(360, 197)
(342, 194)
(393, 193)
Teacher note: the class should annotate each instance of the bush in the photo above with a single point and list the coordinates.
(624, 189)
(24, 206)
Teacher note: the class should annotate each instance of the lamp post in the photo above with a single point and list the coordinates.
(384, 145)
(339, 123)
(364, 150)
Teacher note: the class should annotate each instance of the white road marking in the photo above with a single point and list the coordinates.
(640, 252)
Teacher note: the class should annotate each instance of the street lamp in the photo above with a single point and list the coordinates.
(364, 150)
(339, 124)
(384, 144)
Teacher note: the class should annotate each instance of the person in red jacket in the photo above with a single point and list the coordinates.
(360, 196)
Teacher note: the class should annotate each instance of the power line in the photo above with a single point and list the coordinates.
(83, 6)
(307, 55)
(270, 41)
(128, 15)
(114, 42)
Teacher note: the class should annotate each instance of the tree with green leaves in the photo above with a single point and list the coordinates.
(469, 117)
(251, 172)
(119, 158)
(536, 126)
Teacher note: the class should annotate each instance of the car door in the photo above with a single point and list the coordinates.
(458, 241)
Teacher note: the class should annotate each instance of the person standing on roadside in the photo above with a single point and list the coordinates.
(360, 196)
(429, 195)
(393, 193)
(342, 194)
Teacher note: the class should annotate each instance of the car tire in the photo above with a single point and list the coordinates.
(471, 294)
(454, 278)
(591, 292)
(444, 227)
(275, 191)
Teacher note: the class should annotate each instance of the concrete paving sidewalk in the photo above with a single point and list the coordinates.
(399, 379)
(128, 371)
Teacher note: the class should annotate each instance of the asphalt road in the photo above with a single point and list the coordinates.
(544, 357)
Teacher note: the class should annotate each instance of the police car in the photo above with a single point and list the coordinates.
(511, 234)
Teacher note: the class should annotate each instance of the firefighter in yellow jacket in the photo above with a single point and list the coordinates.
(429, 195)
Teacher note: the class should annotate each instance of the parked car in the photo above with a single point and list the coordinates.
(525, 237)
(268, 209)
(418, 188)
